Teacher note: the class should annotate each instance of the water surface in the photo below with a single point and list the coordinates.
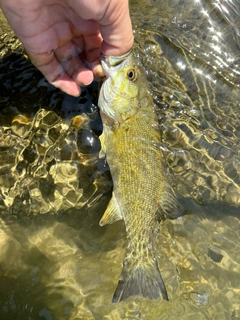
(56, 261)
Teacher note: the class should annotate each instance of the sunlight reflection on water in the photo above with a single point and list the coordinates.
(64, 266)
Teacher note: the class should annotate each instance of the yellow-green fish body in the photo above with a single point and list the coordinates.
(131, 143)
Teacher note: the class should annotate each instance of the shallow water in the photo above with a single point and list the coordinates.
(56, 262)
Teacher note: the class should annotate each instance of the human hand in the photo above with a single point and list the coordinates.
(64, 38)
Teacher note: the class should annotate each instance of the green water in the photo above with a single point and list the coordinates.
(56, 262)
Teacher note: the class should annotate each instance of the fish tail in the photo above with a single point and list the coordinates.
(142, 279)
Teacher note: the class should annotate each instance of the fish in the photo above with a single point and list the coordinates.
(131, 143)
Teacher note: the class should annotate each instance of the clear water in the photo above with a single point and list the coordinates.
(56, 262)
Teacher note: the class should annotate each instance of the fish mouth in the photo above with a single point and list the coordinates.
(113, 61)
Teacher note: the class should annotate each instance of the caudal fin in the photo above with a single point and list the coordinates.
(140, 279)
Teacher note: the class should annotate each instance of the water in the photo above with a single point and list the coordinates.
(56, 262)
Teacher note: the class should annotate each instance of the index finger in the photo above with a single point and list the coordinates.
(54, 72)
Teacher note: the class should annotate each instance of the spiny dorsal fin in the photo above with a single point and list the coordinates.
(112, 213)
(170, 206)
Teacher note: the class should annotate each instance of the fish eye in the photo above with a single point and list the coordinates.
(131, 75)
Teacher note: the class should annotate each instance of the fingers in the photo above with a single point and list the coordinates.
(91, 42)
(64, 36)
(58, 40)
(54, 73)
(114, 23)
(92, 47)
(97, 69)
(70, 57)
(64, 68)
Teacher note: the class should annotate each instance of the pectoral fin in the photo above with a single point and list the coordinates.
(170, 206)
(103, 149)
(112, 213)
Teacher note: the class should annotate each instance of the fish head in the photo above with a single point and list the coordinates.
(124, 87)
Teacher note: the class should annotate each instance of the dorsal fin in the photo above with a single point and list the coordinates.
(170, 206)
(112, 213)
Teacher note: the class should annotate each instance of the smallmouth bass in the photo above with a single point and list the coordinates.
(131, 143)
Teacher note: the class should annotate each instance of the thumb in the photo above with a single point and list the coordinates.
(116, 28)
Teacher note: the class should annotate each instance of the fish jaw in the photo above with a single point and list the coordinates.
(111, 65)
(110, 61)
(118, 87)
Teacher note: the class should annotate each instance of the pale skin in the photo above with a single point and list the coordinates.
(64, 38)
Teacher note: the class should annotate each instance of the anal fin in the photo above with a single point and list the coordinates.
(112, 213)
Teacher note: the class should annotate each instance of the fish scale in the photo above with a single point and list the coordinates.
(131, 143)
